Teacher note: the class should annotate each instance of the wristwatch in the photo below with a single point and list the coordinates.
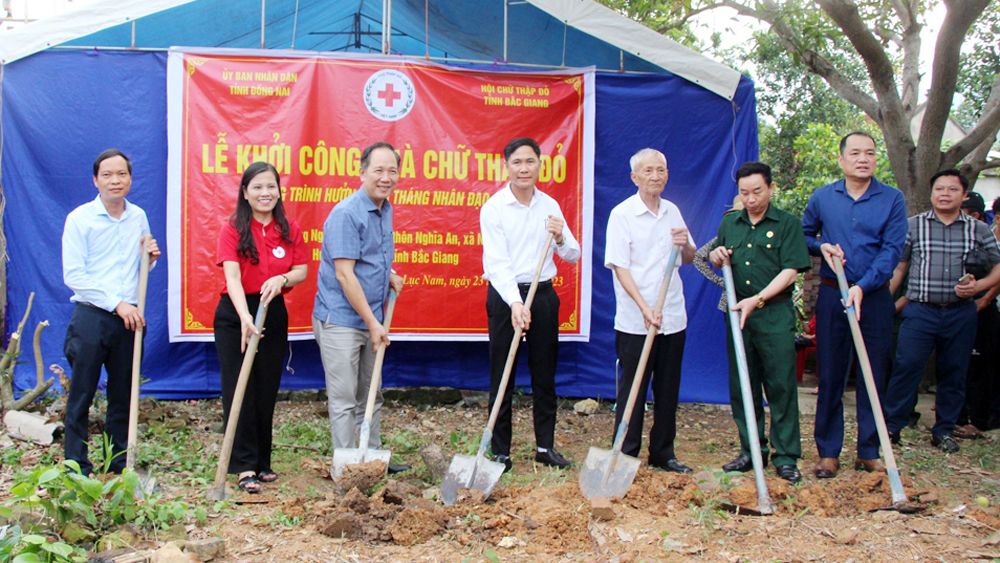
(760, 301)
(284, 281)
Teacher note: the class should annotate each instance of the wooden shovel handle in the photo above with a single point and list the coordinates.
(133, 412)
(376, 382)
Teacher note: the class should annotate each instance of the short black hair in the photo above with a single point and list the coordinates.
(843, 140)
(952, 172)
(110, 153)
(521, 142)
(996, 206)
(751, 168)
(366, 155)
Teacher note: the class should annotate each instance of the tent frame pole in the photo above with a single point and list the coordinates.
(505, 5)
(295, 23)
(263, 7)
(388, 28)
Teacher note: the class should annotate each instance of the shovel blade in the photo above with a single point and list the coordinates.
(216, 494)
(342, 457)
(471, 473)
(605, 474)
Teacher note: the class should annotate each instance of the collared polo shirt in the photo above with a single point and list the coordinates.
(937, 253)
(871, 230)
(513, 235)
(640, 241)
(275, 256)
(101, 254)
(356, 230)
(762, 251)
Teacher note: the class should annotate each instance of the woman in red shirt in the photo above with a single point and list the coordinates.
(263, 255)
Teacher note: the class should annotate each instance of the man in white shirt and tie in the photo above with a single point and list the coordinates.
(641, 231)
(101, 252)
(515, 223)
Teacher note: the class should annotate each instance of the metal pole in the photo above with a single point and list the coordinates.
(295, 23)
(427, 44)
(263, 5)
(505, 5)
(384, 50)
(388, 30)
(565, 27)
(133, 34)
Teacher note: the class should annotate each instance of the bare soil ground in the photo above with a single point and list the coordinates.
(538, 514)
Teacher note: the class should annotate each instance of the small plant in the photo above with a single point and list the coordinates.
(464, 443)
(34, 548)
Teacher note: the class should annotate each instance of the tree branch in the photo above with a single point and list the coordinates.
(985, 132)
(944, 76)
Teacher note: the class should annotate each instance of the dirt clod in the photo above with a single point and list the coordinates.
(398, 492)
(355, 501)
(364, 476)
(342, 526)
(600, 508)
(412, 526)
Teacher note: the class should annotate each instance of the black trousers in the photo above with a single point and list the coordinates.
(982, 392)
(664, 371)
(252, 444)
(543, 354)
(96, 338)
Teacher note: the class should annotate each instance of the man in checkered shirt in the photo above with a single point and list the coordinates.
(938, 309)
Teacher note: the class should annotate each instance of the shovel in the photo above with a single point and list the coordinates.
(133, 413)
(764, 504)
(478, 472)
(610, 473)
(342, 457)
(899, 500)
(218, 491)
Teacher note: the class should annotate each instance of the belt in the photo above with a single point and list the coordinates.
(833, 283)
(541, 285)
(943, 306)
(91, 305)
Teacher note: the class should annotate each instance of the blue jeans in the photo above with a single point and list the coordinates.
(953, 333)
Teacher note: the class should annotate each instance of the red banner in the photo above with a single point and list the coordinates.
(310, 116)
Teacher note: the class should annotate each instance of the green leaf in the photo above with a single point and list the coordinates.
(49, 475)
(27, 558)
(59, 548)
(92, 487)
(34, 539)
(492, 556)
(22, 489)
(6, 512)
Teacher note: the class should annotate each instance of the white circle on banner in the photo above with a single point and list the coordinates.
(279, 252)
(389, 95)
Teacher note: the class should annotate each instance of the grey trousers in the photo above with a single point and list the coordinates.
(348, 360)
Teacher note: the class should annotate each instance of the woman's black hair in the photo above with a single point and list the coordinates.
(242, 217)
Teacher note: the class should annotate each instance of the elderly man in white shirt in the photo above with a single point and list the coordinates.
(101, 251)
(641, 231)
(515, 223)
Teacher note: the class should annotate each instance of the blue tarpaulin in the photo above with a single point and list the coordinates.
(60, 108)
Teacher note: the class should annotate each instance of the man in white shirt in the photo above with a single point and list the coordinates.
(515, 223)
(641, 232)
(101, 253)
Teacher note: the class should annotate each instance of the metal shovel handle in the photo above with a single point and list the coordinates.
(764, 504)
(376, 382)
(895, 483)
(133, 411)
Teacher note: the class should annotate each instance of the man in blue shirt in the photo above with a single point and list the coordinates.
(355, 274)
(861, 222)
(101, 247)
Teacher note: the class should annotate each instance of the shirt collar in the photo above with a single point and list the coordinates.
(100, 209)
(509, 198)
(770, 214)
(874, 188)
(370, 206)
(639, 207)
(930, 215)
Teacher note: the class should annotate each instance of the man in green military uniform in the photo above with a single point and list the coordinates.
(767, 250)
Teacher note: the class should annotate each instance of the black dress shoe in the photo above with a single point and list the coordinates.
(552, 458)
(394, 468)
(742, 464)
(789, 473)
(671, 465)
(505, 460)
(895, 438)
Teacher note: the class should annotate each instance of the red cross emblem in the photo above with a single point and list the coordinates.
(389, 95)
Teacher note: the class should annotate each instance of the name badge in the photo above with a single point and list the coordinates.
(279, 252)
